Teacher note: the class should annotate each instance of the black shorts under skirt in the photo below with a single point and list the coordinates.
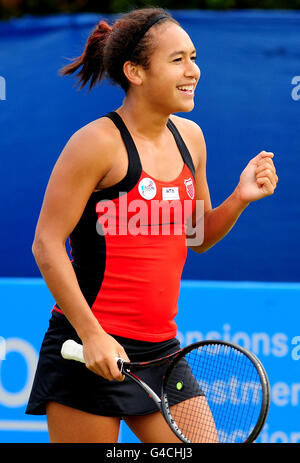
(71, 383)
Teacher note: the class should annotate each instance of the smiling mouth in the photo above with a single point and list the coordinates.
(187, 89)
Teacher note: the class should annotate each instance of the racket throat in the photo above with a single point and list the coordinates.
(144, 386)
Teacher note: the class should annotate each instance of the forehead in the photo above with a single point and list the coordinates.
(170, 37)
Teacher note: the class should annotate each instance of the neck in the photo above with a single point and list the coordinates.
(142, 119)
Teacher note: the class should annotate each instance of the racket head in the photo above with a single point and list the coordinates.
(215, 365)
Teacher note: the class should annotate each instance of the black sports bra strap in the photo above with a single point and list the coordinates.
(186, 156)
(134, 164)
(133, 155)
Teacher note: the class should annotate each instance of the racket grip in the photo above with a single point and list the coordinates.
(71, 350)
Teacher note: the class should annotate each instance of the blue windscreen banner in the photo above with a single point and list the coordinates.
(247, 100)
(262, 317)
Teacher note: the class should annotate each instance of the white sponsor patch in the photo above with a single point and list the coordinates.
(170, 193)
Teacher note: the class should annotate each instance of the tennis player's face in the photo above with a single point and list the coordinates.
(171, 80)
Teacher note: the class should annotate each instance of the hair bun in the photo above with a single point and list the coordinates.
(103, 26)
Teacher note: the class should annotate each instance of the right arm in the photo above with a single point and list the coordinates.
(84, 161)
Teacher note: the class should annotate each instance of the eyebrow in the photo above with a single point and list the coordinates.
(180, 52)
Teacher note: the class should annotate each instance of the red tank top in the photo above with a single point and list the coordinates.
(129, 247)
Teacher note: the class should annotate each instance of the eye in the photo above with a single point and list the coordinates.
(177, 60)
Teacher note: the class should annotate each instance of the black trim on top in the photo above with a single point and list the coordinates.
(134, 169)
(134, 163)
(88, 250)
(186, 156)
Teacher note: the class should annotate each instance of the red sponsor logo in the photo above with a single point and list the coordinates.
(189, 185)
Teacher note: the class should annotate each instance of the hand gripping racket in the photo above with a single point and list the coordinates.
(212, 391)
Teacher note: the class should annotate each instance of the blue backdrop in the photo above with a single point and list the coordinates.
(263, 317)
(245, 102)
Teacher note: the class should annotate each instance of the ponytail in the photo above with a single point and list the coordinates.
(108, 48)
(91, 60)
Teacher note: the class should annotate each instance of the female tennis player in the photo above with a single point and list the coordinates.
(118, 295)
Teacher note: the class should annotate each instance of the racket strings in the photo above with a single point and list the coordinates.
(215, 394)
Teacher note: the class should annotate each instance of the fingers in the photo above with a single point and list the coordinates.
(100, 367)
(264, 155)
(266, 173)
(266, 184)
(264, 159)
(113, 365)
(114, 371)
(107, 368)
(104, 363)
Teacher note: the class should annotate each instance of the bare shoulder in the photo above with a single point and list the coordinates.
(186, 123)
(91, 152)
(96, 138)
(193, 137)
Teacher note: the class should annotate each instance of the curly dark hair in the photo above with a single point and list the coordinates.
(107, 48)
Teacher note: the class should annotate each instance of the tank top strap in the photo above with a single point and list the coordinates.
(132, 151)
(186, 156)
(134, 164)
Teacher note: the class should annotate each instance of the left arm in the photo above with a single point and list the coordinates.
(257, 181)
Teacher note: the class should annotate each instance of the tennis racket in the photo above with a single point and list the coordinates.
(212, 391)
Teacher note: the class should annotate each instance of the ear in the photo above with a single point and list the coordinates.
(133, 72)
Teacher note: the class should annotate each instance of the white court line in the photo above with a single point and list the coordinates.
(16, 425)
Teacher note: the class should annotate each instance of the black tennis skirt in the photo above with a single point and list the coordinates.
(71, 383)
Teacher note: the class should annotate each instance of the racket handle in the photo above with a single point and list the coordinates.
(71, 350)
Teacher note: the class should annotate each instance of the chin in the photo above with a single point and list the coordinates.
(186, 108)
(180, 108)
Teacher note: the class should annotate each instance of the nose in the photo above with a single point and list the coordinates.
(192, 70)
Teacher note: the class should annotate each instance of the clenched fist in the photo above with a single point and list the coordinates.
(258, 179)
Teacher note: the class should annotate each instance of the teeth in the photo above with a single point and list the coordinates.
(186, 87)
